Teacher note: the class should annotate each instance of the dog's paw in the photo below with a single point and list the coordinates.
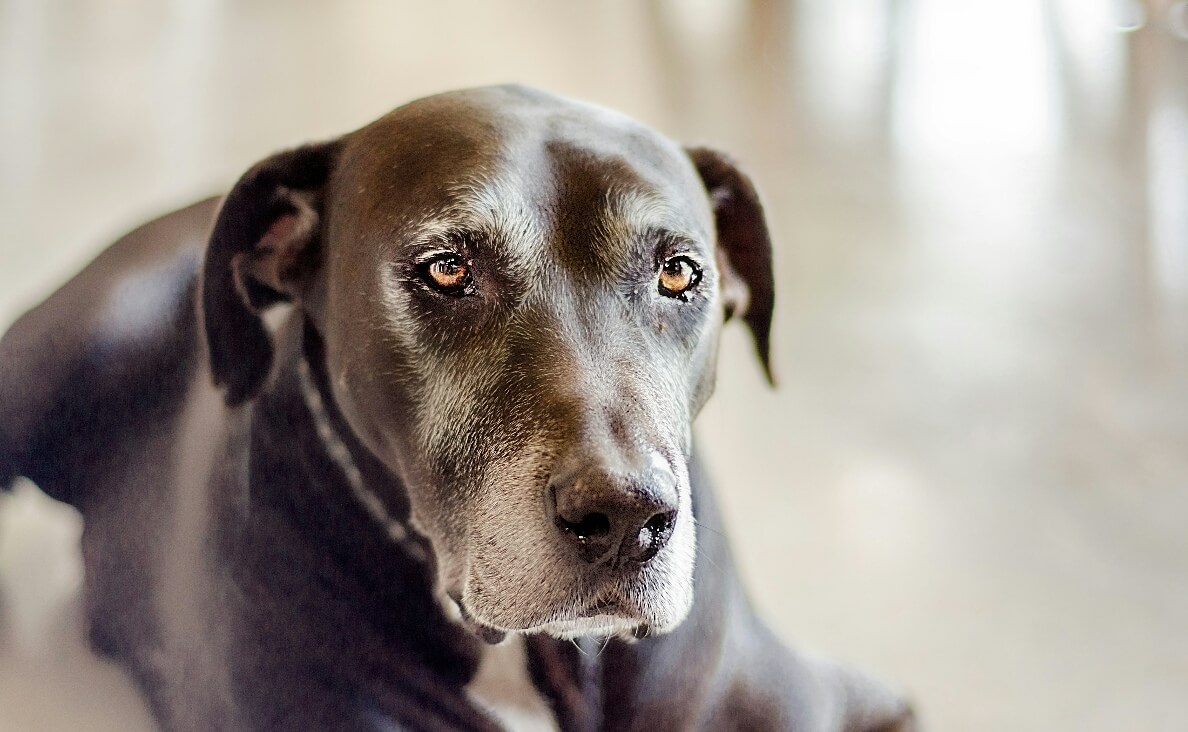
(873, 706)
(902, 720)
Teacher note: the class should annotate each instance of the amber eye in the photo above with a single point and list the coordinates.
(447, 273)
(678, 276)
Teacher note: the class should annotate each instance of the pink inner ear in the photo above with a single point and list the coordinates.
(278, 258)
(281, 233)
(735, 295)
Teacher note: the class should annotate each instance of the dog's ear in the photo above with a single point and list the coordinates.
(744, 247)
(263, 249)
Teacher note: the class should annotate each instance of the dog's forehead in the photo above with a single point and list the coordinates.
(526, 162)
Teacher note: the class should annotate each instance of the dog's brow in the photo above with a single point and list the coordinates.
(636, 206)
(637, 218)
(478, 211)
(673, 240)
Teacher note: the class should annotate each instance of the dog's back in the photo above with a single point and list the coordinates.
(91, 384)
(99, 357)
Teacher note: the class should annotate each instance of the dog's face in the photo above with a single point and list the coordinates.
(520, 298)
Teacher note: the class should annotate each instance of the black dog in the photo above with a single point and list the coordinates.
(497, 317)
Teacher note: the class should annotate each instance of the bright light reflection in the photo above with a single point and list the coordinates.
(1167, 164)
(845, 47)
(975, 81)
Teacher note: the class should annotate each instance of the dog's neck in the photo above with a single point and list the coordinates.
(315, 393)
(342, 470)
(343, 518)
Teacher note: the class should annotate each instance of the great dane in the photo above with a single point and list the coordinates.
(397, 435)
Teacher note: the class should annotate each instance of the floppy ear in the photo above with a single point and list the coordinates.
(263, 249)
(744, 247)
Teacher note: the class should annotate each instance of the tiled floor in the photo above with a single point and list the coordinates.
(974, 475)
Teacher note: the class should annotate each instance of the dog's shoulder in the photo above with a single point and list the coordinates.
(102, 354)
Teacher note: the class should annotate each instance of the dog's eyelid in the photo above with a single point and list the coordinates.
(432, 254)
(700, 264)
(693, 256)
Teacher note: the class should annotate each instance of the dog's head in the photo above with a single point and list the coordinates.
(520, 298)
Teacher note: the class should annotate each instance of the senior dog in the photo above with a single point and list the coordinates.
(403, 439)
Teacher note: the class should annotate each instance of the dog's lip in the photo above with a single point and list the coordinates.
(485, 632)
(609, 607)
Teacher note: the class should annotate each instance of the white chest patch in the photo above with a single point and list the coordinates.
(504, 687)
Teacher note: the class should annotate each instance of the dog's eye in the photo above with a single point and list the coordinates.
(678, 276)
(447, 273)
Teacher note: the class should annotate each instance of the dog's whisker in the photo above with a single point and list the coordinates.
(702, 553)
(707, 527)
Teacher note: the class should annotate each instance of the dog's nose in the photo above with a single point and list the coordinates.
(613, 517)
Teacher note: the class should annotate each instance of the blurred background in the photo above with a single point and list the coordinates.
(973, 478)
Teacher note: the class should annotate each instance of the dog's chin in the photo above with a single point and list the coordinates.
(606, 618)
(596, 626)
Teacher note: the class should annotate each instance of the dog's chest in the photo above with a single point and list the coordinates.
(504, 687)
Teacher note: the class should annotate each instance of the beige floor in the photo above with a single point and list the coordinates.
(974, 475)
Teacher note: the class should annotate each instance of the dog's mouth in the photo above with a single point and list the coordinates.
(608, 615)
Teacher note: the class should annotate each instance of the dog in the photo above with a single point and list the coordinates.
(405, 419)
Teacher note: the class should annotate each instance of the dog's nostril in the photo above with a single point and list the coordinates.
(652, 537)
(591, 526)
(661, 522)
